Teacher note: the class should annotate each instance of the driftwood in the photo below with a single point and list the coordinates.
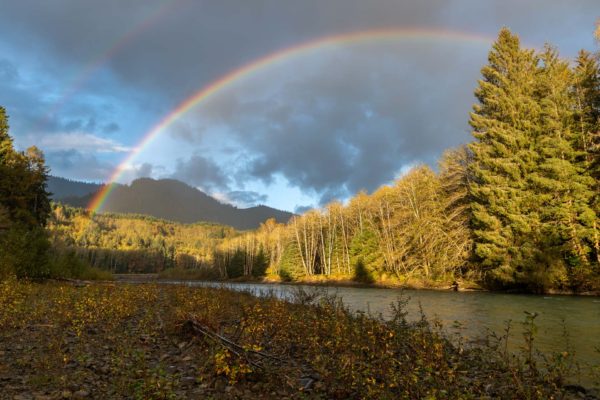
(253, 357)
(307, 376)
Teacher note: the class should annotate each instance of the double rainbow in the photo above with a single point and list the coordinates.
(246, 71)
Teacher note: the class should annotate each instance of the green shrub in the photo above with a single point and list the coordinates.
(361, 273)
(24, 253)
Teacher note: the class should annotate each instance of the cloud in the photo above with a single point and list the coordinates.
(145, 170)
(8, 70)
(246, 198)
(77, 165)
(132, 171)
(80, 141)
(347, 121)
(202, 172)
(302, 209)
(145, 35)
(111, 127)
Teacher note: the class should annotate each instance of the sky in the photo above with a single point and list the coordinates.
(88, 81)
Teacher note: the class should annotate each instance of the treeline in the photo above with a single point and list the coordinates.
(516, 208)
(415, 228)
(134, 243)
(535, 194)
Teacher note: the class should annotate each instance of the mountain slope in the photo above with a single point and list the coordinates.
(175, 201)
(62, 188)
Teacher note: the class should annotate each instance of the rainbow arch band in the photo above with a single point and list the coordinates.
(270, 60)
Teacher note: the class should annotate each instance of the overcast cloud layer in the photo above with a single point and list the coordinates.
(86, 80)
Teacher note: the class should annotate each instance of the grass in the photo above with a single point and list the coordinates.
(165, 342)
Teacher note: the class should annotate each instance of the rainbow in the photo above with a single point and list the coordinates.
(270, 60)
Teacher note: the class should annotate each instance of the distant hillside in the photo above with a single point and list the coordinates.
(62, 188)
(176, 201)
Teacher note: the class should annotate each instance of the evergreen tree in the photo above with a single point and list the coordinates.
(365, 253)
(587, 125)
(24, 208)
(6, 145)
(563, 187)
(505, 125)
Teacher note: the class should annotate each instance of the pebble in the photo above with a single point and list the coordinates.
(188, 380)
(81, 394)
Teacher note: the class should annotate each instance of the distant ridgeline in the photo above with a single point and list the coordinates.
(168, 199)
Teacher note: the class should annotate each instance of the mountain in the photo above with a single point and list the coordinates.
(175, 201)
(62, 188)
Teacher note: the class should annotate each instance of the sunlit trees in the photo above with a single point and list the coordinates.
(533, 181)
(505, 126)
(563, 187)
(455, 196)
(587, 126)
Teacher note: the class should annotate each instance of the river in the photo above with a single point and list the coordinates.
(472, 314)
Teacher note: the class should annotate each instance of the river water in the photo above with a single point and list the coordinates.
(563, 322)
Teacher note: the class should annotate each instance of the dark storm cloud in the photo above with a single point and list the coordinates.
(350, 125)
(201, 171)
(332, 131)
(193, 42)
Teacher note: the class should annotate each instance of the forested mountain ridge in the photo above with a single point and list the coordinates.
(61, 188)
(137, 243)
(167, 199)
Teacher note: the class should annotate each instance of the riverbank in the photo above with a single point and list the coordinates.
(412, 284)
(107, 340)
(317, 280)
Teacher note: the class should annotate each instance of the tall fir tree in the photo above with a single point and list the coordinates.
(560, 181)
(587, 126)
(505, 126)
